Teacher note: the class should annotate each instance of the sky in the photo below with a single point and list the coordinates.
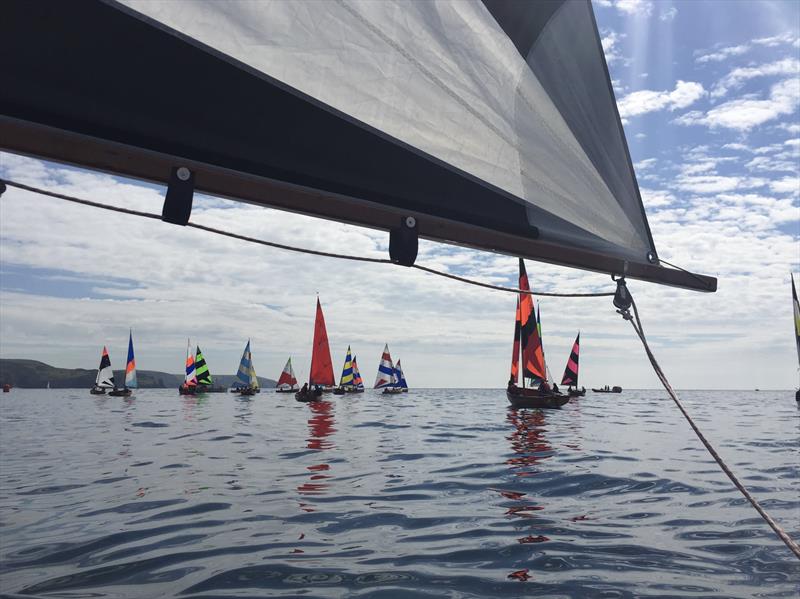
(709, 95)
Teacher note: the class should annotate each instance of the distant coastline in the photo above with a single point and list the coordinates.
(31, 374)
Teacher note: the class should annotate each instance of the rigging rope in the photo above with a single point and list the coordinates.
(291, 248)
(637, 326)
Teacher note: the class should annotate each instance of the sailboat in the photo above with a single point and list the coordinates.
(130, 373)
(287, 383)
(320, 377)
(246, 382)
(570, 378)
(347, 382)
(189, 385)
(796, 308)
(105, 375)
(387, 373)
(528, 346)
(205, 382)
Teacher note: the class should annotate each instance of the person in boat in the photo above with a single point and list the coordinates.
(544, 387)
(555, 387)
(511, 383)
(304, 390)
(583, 389)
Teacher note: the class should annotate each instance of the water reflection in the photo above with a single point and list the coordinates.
(320, 426)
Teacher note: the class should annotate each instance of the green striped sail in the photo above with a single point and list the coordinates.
(201, 369)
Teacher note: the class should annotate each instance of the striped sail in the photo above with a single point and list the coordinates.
(401, 378)
(243, 374)
(385, 376)
(796, 319)
(549, 376)
(287, 380)
(347, 371)
(201, 369)
(358, 382)
(253, 383)
(105, 374)
(532, 353)
(570, 377)
(191, 379)
(130, 367)
(515, 350)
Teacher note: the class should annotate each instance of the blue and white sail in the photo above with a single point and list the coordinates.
(243, 375)
(401, 378)
(386, 375)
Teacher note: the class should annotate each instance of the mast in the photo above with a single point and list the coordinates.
(796, 308)
(516, 348)
(532, 356)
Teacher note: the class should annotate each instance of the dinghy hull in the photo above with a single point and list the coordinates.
(532, 398)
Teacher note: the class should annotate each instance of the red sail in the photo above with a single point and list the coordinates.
(532, 354)
(515, 354)
(321, 363)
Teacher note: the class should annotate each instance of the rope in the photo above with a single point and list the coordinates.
(637, 326)
(290, 248)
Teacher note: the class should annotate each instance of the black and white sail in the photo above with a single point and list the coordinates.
(493, 122)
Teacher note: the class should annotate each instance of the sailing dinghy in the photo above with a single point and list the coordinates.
(570, 378)
(105, 375)
(130, 373)
(401, 378)
(320, 378)
(205, 382)
(246, 382)
(528, 345)
(287, 382)
(347, 382)
(387, 375)
(189, 385)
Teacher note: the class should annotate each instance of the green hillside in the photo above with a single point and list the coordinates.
(30, 374)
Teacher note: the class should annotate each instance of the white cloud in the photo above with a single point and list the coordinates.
(738, 77)
(778, 40)
(645, 164)
(770, 164)
(642, 8)
(644, 101)
(709, 184)
(609, 42)
(668, 15)
(722, 54)
(786, 185)
(746, 113)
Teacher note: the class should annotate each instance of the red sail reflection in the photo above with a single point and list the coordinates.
(320, 426)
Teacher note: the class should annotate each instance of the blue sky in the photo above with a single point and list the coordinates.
(709, 93)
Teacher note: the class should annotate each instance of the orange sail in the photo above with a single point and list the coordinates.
(515, 351)
(321, 364)
(532, 354)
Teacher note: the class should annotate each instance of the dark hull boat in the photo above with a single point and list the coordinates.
(614, 389)
(96, 391)
(308, 395)
(576, 392)
(528, 347)
(124, 392)
(186, 390)
(534, 398)
(104, 381)
(570, 378)
(210, 389)
(285, 390)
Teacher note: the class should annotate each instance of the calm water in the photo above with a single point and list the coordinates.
(438, 493)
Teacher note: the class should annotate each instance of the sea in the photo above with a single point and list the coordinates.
(433, 493)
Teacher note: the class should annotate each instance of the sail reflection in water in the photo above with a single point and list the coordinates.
(527, 441)
(320, 426)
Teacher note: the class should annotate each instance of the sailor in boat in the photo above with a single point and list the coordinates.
(304, 390)
(555, 387)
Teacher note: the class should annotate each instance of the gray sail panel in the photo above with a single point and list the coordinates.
(441, 77)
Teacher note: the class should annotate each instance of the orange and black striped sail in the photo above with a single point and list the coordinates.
(515, 352)
(531, 343)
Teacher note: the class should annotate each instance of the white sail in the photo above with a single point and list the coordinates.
(105, 374)
(386, 375)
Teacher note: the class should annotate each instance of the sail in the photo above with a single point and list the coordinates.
(358, 382)
(347, 370)
(385, 376)
(105, 375)
(287, 379)
(321, 364)
(130, 366)
(570, 377)
(401, 378)
(515, 350)
(529, 144)
(549, 376)
(201, 369)
(796, 319)
(253, 377)
(243, 374)
(532, 355)
(191, 379)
